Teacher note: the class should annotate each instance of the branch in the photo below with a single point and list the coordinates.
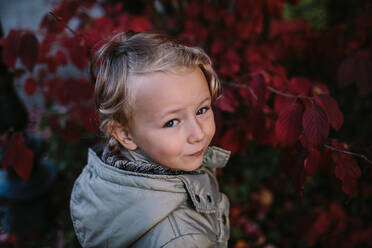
(59, 19)
(269, 88)
(348, 152)
(286, 94)
(242, 86)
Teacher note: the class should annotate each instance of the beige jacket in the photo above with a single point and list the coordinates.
(113, 208)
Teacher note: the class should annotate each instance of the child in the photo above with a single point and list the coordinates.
(153, 183)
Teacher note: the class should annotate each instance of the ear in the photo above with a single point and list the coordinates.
(122, 135)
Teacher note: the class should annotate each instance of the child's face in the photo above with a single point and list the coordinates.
(172, 121)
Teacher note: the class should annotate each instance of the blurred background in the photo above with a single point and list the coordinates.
(295, 112)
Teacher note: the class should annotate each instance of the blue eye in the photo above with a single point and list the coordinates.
(171, 123)
(202, 110)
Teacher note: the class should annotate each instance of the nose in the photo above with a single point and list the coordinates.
(195, 131)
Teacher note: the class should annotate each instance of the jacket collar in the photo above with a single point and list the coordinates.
(201, 186)
(214, 157)
(136, 155)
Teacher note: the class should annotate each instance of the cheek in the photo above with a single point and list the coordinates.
(167, 144)
(210, 127)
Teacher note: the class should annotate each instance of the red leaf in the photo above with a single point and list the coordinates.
(281, 28)
(347, 166)
(209, 12)
(330, 106)
(227, 102)
(139, 24)
(320, 226)
(30, 86)
(315, 124)
(88, 117)
(244, 8)
(70, 131)
(231, 64)
(300, 85)
(338, 216)
(229, 141)
(18, 156)
(275, 7)
(61, 58)
(322, 223)
(217, 46)
(67, 9)
(288, 125)
(244, 29)
(45, 47)
(11, 47)
(69, 91)
(348, 171)
(105, 23)
(291, 160)
(50, 23)
(319, 88)
(193, 9)
(350, 187)
(258, 86)
(281, 102)
(28, 51)
(228, 17)
(78, 51)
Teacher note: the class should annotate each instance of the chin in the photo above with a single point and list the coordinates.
(192, 168)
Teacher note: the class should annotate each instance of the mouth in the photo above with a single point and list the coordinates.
(198, 153)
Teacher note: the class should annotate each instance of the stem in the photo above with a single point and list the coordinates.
(286, 94)
(348, 152)
(243, 86)
(270, 89)
(59, 19)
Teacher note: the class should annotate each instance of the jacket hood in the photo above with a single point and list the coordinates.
(105, 200)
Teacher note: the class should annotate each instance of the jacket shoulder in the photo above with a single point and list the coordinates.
(113, 199)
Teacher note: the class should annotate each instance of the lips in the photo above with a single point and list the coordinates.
(198, 153)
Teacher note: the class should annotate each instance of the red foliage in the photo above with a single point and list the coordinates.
(315, 125)
(330, 220)
(357, 69)
(264, 101)
(227, 102)
(288, 124)
(23, 45)
(330, 106)
(77, 50)
(347, 170)
(28, 50)
(30, 86)
(11, 47)
(16, 155)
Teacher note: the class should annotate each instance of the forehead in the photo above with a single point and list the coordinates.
(160, 92)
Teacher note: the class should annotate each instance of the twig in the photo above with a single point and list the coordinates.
(243, 86)
(286, 94)
(347, 152)
(59, 19)
(269, 88)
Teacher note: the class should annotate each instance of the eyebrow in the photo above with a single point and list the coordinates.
(179, 109)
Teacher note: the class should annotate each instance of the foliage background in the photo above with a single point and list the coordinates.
(266, 52)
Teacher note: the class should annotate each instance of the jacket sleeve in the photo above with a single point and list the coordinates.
(194, 240)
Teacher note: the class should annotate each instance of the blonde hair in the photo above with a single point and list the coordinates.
(124, 55)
